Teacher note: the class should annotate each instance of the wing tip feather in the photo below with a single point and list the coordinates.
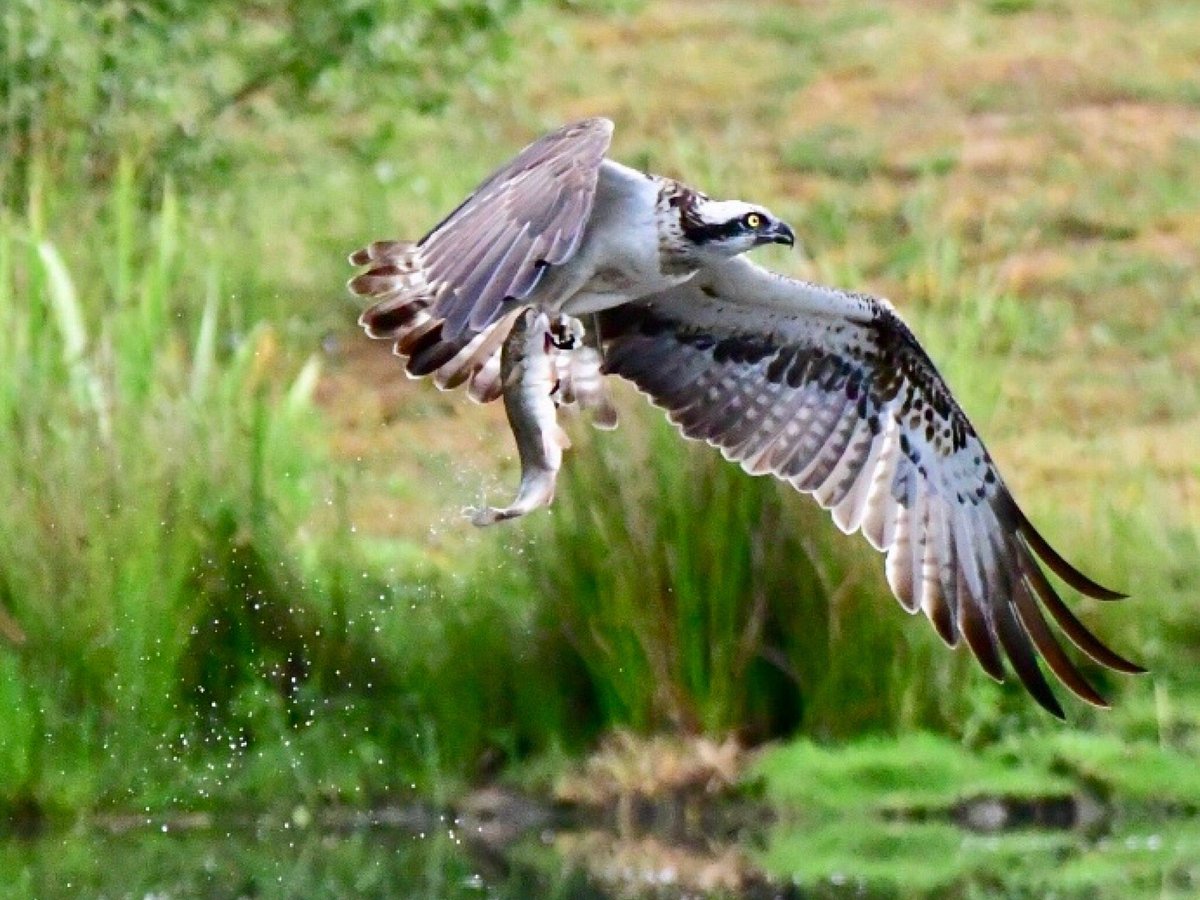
(1057, 564)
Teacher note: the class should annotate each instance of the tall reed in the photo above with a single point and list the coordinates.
(146, 451)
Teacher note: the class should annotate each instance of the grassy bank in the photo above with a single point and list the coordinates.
(231, 565)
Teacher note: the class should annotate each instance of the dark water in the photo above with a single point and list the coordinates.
(832, 859)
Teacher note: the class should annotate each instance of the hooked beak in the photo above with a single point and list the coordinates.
(779, 233)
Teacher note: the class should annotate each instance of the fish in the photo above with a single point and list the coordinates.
(530, 383)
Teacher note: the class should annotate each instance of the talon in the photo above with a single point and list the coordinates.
(564, 335)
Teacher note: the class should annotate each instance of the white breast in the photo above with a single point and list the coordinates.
(618, 259)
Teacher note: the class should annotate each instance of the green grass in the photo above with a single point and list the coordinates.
(916, 771)
(144, 457)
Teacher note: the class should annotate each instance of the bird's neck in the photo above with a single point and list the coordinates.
(675, 214)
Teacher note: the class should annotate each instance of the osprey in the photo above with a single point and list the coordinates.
(823, 388)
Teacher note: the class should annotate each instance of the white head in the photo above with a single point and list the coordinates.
(726, 228)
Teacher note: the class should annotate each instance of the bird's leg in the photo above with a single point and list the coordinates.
(581, 369)
(566, 333)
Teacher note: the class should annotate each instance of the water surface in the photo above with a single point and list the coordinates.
(849, 858)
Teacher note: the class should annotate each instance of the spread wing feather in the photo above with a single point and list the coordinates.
(527, 216)
(831, 392)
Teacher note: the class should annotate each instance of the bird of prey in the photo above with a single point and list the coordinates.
(825, 389)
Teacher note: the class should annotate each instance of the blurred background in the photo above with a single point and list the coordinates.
(249, 644)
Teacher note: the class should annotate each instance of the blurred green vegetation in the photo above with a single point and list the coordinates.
(177, 82)
(234, 556)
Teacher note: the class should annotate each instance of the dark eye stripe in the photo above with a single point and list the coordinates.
(700, 232)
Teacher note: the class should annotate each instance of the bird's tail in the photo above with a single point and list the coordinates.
(400, 312)
(396, 284)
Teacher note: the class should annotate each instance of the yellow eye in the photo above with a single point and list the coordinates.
(753, 220)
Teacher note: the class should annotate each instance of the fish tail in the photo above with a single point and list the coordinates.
(536, 490)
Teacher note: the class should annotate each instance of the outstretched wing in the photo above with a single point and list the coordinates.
(525, 217)
(831, 392)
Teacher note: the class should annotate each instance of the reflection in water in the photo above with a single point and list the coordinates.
(650, 865)
(271, 862)
(845, 858)
(867, 857)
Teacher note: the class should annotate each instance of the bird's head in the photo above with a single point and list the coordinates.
(726, 228)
